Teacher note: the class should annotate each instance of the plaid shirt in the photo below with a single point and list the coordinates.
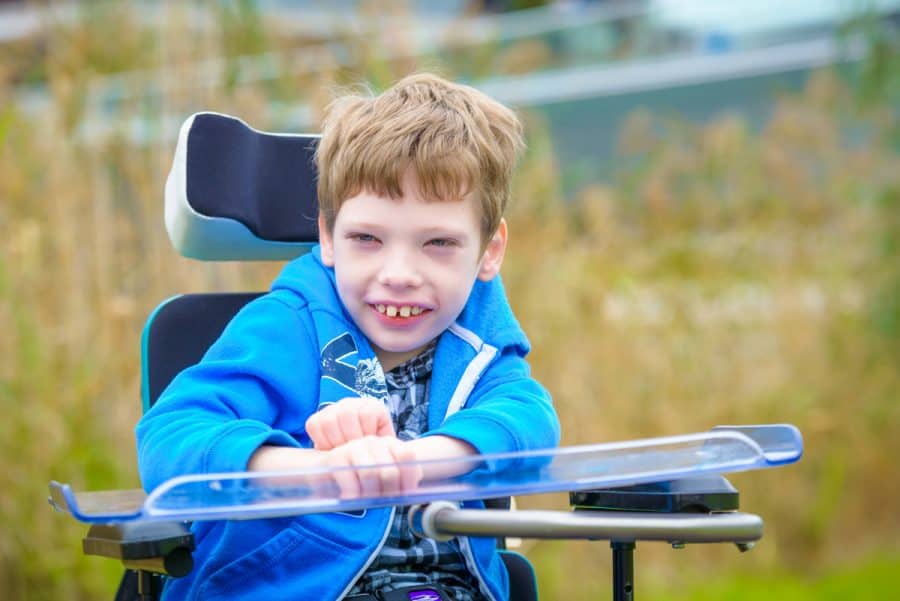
(406, 559)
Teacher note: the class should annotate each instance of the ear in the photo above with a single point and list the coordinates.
(326, 242)
(493, 254)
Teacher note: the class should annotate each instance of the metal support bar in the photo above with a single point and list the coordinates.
(145, 586)
(445, 520)
(623, 571)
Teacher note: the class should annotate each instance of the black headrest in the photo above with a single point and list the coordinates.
(238, 193)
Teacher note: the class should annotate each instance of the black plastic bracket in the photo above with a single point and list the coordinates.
(702, 494)
(159, 547)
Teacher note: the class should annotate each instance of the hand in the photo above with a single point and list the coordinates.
(386, 452)
(326, 470)
(348, 419)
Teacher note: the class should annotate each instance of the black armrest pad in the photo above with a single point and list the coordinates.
(138, 540)
(701, 494)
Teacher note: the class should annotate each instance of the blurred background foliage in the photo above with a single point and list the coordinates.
(727, 271)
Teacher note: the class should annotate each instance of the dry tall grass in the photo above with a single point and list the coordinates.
(727, 276)
(730, 277)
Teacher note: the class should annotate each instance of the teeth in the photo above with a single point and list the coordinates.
(402, 311)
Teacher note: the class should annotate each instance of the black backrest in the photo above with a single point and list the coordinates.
(178, 334)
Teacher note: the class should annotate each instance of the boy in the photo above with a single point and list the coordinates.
(392, 341)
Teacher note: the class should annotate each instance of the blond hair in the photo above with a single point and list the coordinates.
(456, 140)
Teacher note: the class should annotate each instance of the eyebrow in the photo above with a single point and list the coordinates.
(429, 232)
(434, 231)
(445, 232)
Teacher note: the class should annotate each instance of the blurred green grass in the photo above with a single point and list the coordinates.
(726, 275)
(870, 580)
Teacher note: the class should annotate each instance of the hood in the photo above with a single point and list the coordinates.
(488, 314)
(310, 279)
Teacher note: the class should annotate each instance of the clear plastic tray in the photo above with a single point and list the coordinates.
(251, 495)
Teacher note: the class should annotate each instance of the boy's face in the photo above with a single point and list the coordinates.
(405, 267)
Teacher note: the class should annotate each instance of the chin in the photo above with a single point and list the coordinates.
(401, 348)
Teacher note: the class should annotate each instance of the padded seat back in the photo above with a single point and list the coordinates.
(179, 332)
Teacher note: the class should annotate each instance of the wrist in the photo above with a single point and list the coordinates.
(437, 447)
(440, 447)
(271, 458)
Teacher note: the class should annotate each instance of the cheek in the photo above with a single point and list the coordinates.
(457, 283)
(348, 281)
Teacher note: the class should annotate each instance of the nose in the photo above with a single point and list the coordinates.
(399, 270)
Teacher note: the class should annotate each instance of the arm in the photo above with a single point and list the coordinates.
(214, 415)
(507, 411)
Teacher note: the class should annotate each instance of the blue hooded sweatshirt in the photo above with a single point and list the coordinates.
(283, 357)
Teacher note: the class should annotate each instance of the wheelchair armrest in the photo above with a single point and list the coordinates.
(160, 547)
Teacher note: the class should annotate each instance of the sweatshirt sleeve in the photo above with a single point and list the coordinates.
(256, 385)
(507, 411)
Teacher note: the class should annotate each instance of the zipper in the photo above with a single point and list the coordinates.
(372, 556)
(469, 378)
(484, 354)
(469, 556)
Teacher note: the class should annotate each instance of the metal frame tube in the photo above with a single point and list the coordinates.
(446, 520)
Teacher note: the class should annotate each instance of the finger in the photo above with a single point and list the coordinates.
(363, 457)
(384, 425)
(347, 482)
(314, 431)
(369, 413)
(323, 429)
(331, 429)
(377, 471)
(348, 421)
(410, 475)
(388, 474)
(375, 418)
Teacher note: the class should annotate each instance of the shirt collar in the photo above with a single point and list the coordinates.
(412, 370)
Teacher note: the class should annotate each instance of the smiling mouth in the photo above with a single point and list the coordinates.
(402, 311)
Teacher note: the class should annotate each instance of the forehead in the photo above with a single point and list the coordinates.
(413, 206)
(410, 212)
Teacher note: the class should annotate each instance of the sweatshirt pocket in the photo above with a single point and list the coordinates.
(296, 563)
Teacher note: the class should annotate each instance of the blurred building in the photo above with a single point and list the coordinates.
(584, 64)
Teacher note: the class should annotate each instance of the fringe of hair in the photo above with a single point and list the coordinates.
(456, 139)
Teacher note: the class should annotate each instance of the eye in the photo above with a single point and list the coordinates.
(443, 242)
(362, 238)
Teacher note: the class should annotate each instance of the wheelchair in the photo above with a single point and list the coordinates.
(236, 193)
